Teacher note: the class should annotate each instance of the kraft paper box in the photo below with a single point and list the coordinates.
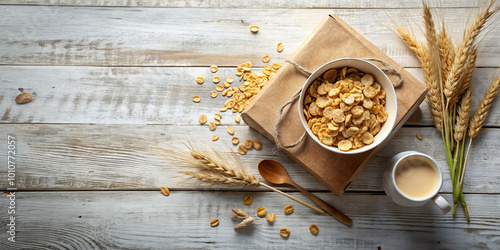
(332, 39)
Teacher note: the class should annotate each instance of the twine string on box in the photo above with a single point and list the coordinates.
(386, 69)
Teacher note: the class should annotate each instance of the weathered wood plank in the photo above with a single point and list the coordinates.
(358, 4)
(35, 35)
(149, 220)
(142, 95)
(116, 157)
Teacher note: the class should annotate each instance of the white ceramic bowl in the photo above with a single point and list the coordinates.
(379, 76)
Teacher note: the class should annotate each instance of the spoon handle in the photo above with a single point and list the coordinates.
(293, 198)
(327, 207)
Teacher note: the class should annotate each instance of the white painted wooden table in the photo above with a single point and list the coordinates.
(112, 80)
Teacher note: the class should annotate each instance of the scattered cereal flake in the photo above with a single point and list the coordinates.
(214, 222)
(271, 217)
(235, 140)
(217, 116)
(247, 199)
(248, 144)
(285, 232)
(226, 84)
(288, 209)
(202, 119)
(257, 145)
(261, 211)
(216, 79)
(276, 66)
(212, 126)
(254, 28)
(230, 130)
(217, 122)
(223, 109)
(215, 138)
(200, 79)
(219, 88)
(266, 59)
(420, 137)
(237, 118)
(165, 191)
(196, 98)
(213, 94)
(213, 68)
(229, 80)
(280, 47)
(242, 150)
(314, 229)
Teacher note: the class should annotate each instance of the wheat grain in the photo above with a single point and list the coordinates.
(463, 52)
(482, 110)
(463, 116)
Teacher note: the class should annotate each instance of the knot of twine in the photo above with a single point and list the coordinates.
(386, 69)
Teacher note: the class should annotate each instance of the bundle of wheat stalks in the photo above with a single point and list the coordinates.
(447, 74)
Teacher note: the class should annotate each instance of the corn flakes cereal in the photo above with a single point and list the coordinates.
(200, 79)
(216, 79)
(248, 144)
(266, 59)
(202, 119)
(257, 145)
(345, 145)
(215, 138)
(280, 47)
(212, 126)
(242, 149)
(235, 140)
(230, 130)
(213, 68)
(254, 28)
(345, 108)
(196, 98)
(229, 80)
(219, 88)
(213, 94)
(217, 116)
(237, 118)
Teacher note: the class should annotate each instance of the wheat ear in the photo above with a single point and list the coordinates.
(463, 52)
(482, 110)
(466, 80)
(446, 52)
(434, 95)
(212, 168)
(463, 116)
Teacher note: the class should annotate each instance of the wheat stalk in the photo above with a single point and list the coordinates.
(463, 52)
(463, 116)
(214, 169)
(482, 110)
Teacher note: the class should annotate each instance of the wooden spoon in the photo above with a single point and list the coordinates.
(274, 172)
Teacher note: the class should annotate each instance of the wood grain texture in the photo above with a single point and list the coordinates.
(358, 4)
(144, 95)
(149, 220)
(37, 35)
(125, 157)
